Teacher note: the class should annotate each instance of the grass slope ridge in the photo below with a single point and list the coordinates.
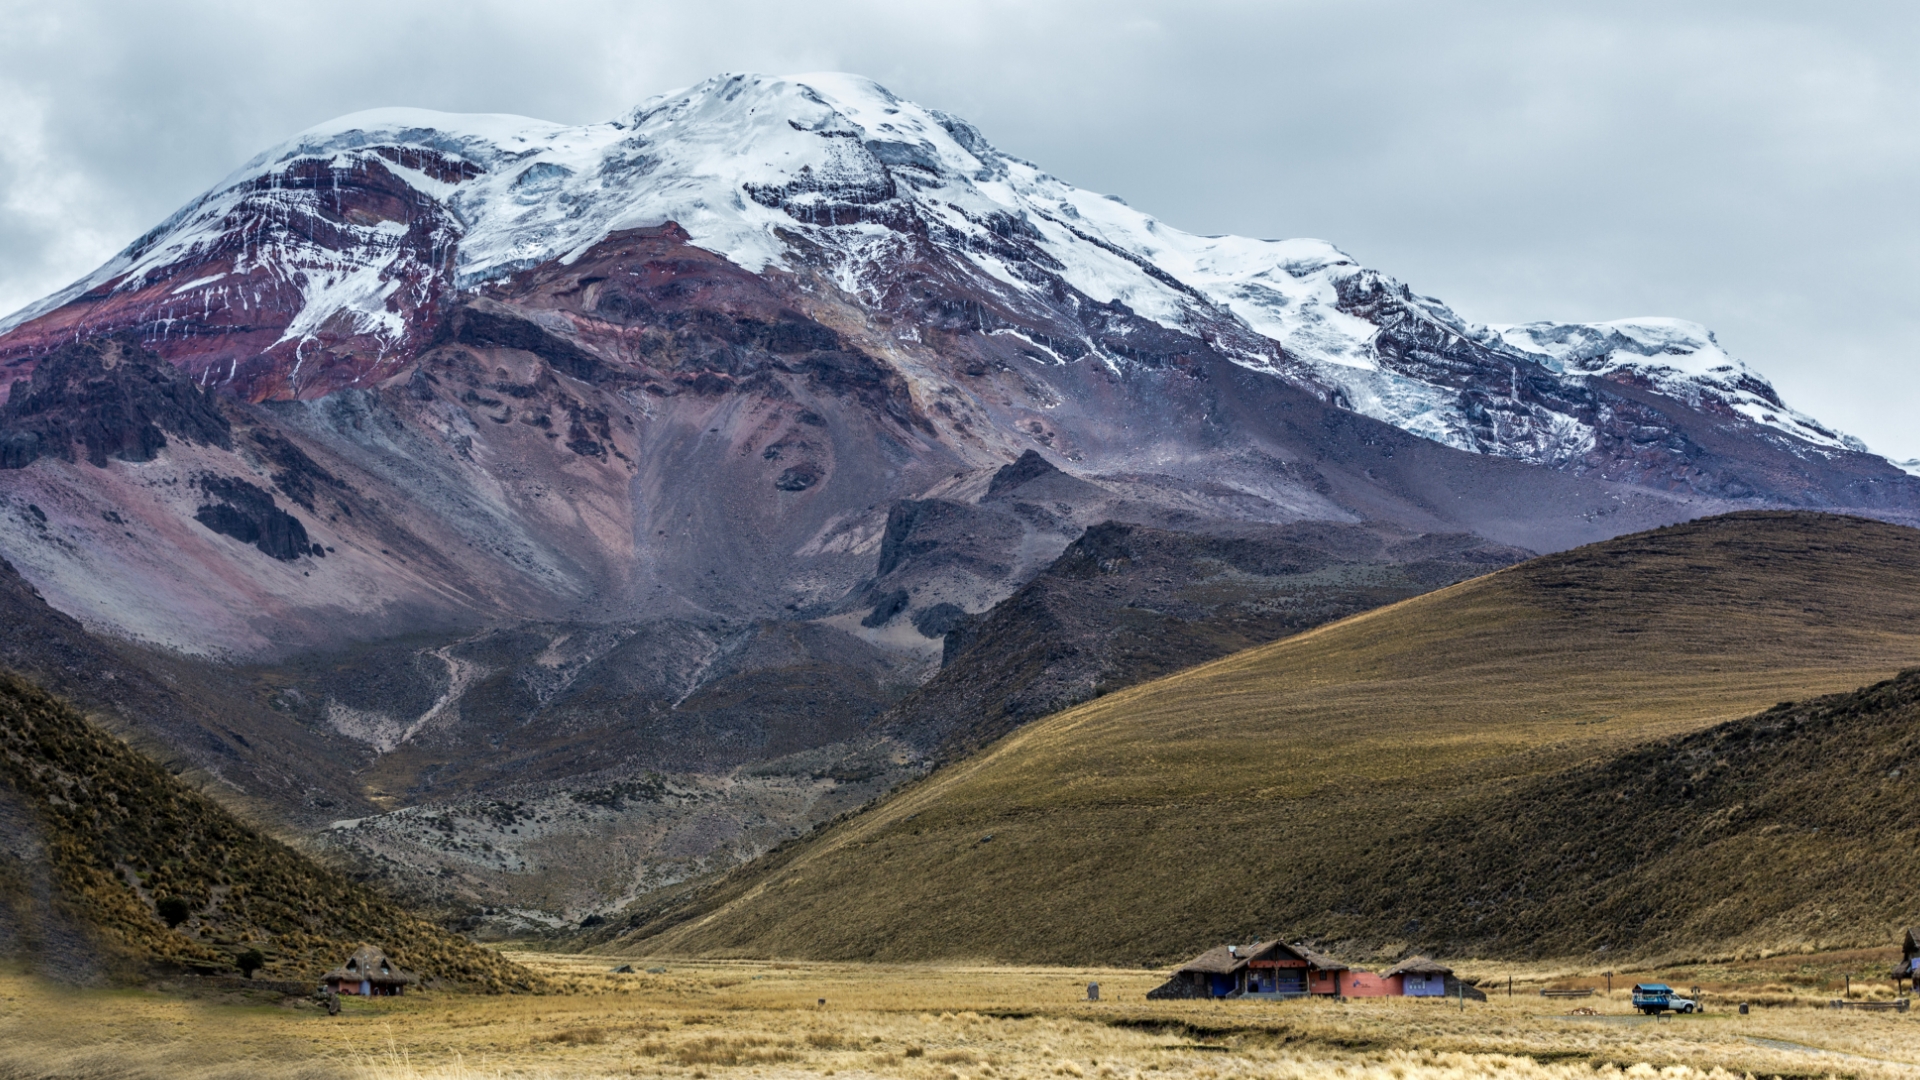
(1125, 603)
(1276, 791)
(1795, 827)
(114, 837)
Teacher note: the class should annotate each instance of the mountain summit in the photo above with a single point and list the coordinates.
(323, 262)
(476, 457)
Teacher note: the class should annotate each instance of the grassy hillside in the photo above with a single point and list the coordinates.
(99, 843)
(1793, 827)
(1277, 790)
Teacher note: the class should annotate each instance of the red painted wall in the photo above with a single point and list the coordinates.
(1368, 984)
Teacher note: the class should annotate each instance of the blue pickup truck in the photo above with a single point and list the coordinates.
(1656, 998)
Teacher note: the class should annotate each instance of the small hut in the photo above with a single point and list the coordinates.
(1909, 967)
(1214, 973)
(367, 973)
(1420, 977)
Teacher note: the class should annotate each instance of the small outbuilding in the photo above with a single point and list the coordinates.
(1419, 977)
(1909, 967)
(1214, 973)
(368, 973)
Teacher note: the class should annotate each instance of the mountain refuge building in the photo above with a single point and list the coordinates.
(368, 973)
(1276, 970)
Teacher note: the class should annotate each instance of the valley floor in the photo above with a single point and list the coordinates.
(766, 1021)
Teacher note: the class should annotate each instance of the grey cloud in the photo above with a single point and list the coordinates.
(1746, 165)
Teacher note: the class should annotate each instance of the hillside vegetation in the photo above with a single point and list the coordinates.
(1795, 826)
(109, 866)
(1315, 786)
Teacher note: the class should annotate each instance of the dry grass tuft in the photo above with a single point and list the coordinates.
(733, 1050)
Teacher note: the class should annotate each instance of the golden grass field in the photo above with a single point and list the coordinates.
(1249, 796)
(726, 1020)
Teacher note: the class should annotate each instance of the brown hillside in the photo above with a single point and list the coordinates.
(1791, 828)
(1270, 791)
(98, 839)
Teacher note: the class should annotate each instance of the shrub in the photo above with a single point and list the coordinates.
(174, 909)
(250, 961)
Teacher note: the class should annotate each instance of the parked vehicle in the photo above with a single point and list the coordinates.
(1656, 998)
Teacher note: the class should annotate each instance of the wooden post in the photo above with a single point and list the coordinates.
(1609, 984)
(1849, 984)
(1509, 986)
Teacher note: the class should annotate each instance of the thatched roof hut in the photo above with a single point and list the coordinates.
(1909, 955)
(1419, 965)
(368, 973)
(1219, 960)
(1418, 976)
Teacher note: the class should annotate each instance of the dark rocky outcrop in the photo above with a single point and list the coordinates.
(488, 324)
(885, 608)
(113, 398)
(296, 475)
(249, 515)
(1028, 466)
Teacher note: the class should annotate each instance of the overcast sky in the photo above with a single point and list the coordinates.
(1753, 166)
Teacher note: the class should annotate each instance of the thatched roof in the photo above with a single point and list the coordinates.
(368, 964)
(1316, 959)
(1910, 945)
(1219, 960)
(1420, 965)
(1227, 959)
(1270, 950)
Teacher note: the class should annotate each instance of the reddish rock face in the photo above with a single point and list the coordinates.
(230, 314)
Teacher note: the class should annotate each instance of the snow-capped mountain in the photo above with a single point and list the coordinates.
(324, 261)
(517, 459)
(817, 250)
